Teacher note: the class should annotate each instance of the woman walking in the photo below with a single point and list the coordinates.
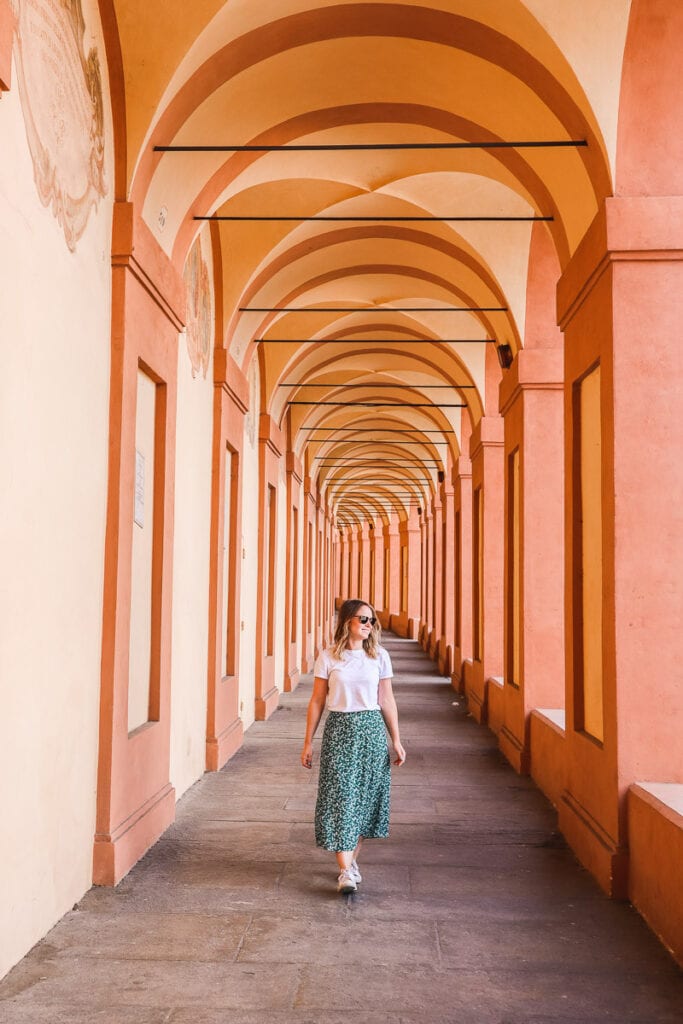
(353, 676)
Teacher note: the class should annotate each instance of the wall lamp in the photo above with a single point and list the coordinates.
(504, 356)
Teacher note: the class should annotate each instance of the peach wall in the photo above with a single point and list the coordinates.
(55, 308)
(192, 518)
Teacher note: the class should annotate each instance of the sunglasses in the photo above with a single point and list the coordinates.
(364, 619)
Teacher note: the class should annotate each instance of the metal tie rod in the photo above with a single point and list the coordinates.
(336, 147)
(392, 405)
(373, 309)
(379, 384)
(337, 218)
(375, 341)
(383, 430)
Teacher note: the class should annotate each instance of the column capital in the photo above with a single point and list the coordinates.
(294, 466)
(134, 248)
(625, 228)
(488, 433)
(7, 21)
(270, 434)
(534, 369)
(227, 374)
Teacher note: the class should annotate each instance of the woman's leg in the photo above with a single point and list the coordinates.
(344, 858)
(358, 846)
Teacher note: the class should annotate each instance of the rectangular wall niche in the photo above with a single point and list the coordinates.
(229, 554)
(372, 574)
(143, 660)
(458, 580)
(386, 579)
(587, 558)
(294, 592)
(269, 563)
(404, 578)
(478, 572)
(514, 667)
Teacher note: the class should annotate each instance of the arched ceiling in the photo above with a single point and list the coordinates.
(391, 303)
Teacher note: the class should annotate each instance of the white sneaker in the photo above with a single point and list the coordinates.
(346, 882)
(357, 877)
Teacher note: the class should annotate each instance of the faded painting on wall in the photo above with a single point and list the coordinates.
(60, 88)
(199, 313)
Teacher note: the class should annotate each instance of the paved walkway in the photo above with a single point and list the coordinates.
(473, 912)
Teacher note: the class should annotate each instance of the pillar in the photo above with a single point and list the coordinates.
(532, 404)
(462, 506)
(223, 723)
(271, 447)
(293, 573)
(619, 305)
(486, 452)
(446, 646)
(135, 798)
(437, 576)
(390, 572)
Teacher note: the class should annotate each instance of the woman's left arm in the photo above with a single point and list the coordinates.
(387, 703)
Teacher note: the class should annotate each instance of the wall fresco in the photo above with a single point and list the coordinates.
(61, 96)
(199, 314)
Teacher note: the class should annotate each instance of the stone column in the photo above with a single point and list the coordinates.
(619, 306)
(532, 404)
(486, 452)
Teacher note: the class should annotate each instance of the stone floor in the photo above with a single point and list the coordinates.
(473, 912)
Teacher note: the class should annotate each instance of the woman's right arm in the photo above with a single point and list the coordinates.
(316, 706)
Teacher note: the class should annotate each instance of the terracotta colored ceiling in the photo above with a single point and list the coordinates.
(292, 72)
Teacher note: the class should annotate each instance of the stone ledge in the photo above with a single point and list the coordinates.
(556, 717)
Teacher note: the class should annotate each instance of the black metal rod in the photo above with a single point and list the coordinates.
(373, 309)
(399, 461)
(384, 430)
(392, 405)
(336, 147)
(380, 440)
(376, 341)
(381, 220)
(379, 384)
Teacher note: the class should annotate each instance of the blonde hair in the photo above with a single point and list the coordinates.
(348, 610)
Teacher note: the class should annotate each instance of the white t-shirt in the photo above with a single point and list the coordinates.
(353, 680)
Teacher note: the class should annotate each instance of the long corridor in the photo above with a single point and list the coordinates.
(473, 911)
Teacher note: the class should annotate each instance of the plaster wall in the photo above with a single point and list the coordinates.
(192, 524)
(55, 308)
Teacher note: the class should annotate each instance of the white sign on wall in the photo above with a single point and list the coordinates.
(139, 515)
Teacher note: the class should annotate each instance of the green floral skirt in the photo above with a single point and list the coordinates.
(354, 781)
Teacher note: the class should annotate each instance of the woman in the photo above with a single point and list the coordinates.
(354, 677)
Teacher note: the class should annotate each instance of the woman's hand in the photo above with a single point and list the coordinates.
(307, 755)
(400, 754)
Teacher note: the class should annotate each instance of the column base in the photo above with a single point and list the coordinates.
(266, 704)
(597, 851)
(115, 853)
(292, 680)
(517, 753)
(445, 658)
(219, 749)
(475, 690)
